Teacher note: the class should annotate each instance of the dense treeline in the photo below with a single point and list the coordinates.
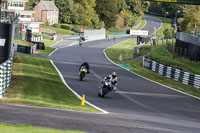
(189, 15)
(100, 13)
(122, 13)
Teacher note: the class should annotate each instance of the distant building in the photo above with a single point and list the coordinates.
(46, 12)
(15, 7)
(18, 7)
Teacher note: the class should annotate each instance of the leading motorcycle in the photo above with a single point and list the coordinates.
(82, 72)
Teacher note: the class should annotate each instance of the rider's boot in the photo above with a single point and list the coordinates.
(114, 89)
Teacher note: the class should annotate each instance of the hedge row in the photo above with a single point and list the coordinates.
(64, 26)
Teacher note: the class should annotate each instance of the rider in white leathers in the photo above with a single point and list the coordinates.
(113, 78)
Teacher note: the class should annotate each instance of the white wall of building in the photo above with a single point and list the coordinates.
(16, 5)
(35, 27)
(25, 17)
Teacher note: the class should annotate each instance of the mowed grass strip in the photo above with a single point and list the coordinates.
(124, 49)
(9, 128)
(48, 49)
(59, 30)
(36, 82)
(178, 62)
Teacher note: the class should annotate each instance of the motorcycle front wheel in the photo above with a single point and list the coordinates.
(102, 92)
(82, 74)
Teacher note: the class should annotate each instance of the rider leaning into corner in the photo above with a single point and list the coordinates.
(113, 78)
(86, 65)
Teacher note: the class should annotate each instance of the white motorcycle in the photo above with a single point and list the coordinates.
(106, 88)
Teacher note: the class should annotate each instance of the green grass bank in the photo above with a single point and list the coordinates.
(48, 49)
(59, 30)
(9, 128)
(36, 82)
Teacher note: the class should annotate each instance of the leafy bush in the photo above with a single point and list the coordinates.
(57, 25)
(78, 27)
(67, 26)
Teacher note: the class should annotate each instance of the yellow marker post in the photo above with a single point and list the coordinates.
(83, 100)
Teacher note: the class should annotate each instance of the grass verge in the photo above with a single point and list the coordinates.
(24, 43)
(59, 30)
(48, 49)
(162, 55)
(36, 82)
(8, 128)
(124, 49)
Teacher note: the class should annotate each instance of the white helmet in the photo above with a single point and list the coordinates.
(114, 74)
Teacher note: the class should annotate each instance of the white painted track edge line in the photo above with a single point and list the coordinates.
(63, 80)
(56, 43)
(53, 52)
(56, 48)
(50, 108)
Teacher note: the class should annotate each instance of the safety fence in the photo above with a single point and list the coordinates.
(5, 74)
(188, 38)
(37, 38)
(25, 49)
(173, 73)
(118, 33)
(95, 34)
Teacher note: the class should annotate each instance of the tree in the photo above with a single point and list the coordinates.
(67, 11)
(122, 5)
(31, 3)
(191, 17)
(136, 9)
(107, 11)
(126, 16)
(168, 34)
(87, 13)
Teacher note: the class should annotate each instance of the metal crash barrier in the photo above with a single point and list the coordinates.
(7, 31)
(173, 73)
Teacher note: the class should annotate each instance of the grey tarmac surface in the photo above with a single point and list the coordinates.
(67, 40)
(138, 106)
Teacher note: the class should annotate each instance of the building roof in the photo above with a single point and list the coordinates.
(49, 5)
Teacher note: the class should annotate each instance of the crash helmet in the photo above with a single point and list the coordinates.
(114, 74)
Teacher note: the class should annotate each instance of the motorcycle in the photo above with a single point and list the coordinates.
(105, 88)
(82, 73)
(80, 43)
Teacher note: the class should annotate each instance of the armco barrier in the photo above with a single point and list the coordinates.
(5, 75)
(173, 73)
